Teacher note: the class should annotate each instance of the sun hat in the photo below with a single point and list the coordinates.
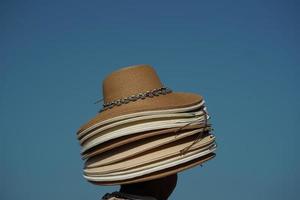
(132, 162)
(144, 130)
(121, 141)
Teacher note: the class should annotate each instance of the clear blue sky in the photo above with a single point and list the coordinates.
(242, 56)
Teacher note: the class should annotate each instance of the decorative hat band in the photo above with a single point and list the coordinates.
(134, 97)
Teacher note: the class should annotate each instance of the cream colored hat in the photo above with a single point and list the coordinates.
(144, 130)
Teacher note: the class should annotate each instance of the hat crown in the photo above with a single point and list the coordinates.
(129, 81)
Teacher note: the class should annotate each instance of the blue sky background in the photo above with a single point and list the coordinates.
(242, 56)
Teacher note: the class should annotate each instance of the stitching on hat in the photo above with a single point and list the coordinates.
(134, 97)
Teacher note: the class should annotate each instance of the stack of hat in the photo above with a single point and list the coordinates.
(144, 130)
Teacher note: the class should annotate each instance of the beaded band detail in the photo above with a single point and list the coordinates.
(134, 97)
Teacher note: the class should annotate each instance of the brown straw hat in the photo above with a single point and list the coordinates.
(144, 130)
(134, 80)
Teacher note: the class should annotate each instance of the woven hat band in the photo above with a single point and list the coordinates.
(128, 81)
(134, 97)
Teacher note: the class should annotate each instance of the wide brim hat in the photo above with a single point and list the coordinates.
(159, 174)
(142, 128)
(131, 80)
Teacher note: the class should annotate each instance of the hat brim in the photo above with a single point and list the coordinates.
(139, 127)
(168, 101)
(198, 110)
(155, 156)
(161, 173)
(132, 149)
(115, 143)
(161, 165)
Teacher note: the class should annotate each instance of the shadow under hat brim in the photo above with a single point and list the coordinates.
(168, 101)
